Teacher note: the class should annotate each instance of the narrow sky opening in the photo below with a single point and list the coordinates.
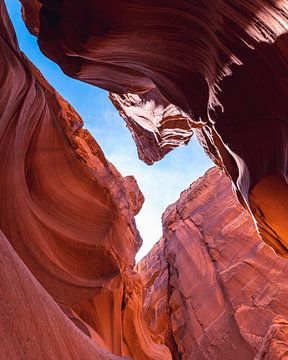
(161, 183)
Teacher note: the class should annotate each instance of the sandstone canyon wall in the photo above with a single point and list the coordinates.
(68, 238)
(213, 289)
(222, 64)
(68, 234)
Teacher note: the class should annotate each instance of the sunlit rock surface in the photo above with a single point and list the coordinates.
(68, 235)
(156, 126)
(275, 345)
(213, 290)
(68, 239)
(223, 63)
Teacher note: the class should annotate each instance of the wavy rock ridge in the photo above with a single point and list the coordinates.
(68, 238)
(213, 290)
(222, 64)
(69, 215)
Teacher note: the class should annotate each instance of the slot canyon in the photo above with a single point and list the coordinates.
(214, 286)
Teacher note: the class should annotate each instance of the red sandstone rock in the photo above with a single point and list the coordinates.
(212, 288)
(223, 63)
(156, 126)
(275, 345)
(32, 326)
(69, 216)
(136, 198)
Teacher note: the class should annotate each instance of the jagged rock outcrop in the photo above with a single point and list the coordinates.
(213, 290)
(68, 236)
(156, 126)
(275, 345)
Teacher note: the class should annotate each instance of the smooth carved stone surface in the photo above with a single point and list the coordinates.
(213, 290)
(68, 215)
(32, 326)
(222, 63)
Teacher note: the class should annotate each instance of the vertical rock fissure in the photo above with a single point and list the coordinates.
(177, 353)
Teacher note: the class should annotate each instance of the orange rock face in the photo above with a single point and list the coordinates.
(213, 290)
(32, 326)
(222, 64)
(68, 234)
(275, 343)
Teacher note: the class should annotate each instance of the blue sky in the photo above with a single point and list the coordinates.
(161, 183)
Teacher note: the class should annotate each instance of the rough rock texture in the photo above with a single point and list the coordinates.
(68, 215)
(222, 62)
(275, 344)
(135, 198)
(213, 290)
(68, 239)
(156, 126)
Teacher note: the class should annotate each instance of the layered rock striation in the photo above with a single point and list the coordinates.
(213, 290)
(68, 234)
(156, 125)
(222, 64)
